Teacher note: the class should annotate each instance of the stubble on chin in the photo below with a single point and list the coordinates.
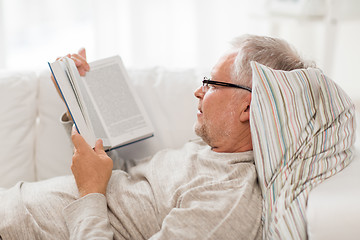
(210, 134)
(202, 131)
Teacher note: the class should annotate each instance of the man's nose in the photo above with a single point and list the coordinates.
(199, 92)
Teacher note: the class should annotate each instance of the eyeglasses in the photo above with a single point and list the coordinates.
(206, 82)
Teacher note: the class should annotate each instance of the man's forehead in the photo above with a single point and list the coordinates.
(224, 66)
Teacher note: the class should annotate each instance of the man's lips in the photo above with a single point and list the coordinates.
(199, 109)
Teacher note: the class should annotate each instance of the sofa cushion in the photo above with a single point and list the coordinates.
(303, 128)
(17, 135)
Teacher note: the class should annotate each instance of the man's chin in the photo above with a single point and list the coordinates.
(201, 132)
(197, 129)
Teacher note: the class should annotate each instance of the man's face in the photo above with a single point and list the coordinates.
(219, 117)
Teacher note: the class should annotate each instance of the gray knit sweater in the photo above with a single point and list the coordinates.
(190, 193)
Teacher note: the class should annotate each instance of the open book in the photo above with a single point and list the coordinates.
(102, 104)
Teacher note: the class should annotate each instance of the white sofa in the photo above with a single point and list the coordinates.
(34, 145)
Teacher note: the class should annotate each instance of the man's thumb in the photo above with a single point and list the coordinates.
(77, 139)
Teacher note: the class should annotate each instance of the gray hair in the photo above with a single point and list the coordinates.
(272, 52)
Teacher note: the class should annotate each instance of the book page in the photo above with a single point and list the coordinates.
(74, 80)
(93, 115)
(114, 99)
(71, 98)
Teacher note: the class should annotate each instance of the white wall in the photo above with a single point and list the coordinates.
(347, 58)
(337, 53)
(327, 32)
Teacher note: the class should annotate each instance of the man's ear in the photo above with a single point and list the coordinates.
(245, 109)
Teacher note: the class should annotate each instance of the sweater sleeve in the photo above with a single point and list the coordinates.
(86, 218)
(67, 124)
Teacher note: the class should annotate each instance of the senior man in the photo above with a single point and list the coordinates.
(206, 190)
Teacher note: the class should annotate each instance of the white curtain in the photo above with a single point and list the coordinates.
(178, 33)
(146, 33)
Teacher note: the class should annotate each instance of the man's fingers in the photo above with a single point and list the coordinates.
(99, 148)
(79, 60)
(80, 63)
(82, 52)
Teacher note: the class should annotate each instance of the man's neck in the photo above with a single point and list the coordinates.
(233, 149)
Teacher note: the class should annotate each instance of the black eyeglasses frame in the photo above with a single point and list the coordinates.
(224, 84)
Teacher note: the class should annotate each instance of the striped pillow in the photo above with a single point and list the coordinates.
(303, 127)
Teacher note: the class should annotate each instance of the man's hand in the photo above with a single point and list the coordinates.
(80, 61)
(91, 167)
(81, 64)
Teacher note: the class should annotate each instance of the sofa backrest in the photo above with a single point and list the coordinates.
(18, 92)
